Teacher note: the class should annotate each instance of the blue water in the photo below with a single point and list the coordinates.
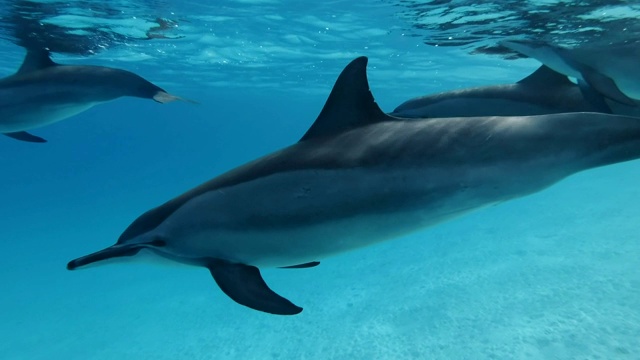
(550, 276)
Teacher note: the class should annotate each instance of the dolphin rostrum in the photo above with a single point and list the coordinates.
(545, 91)
(613, 70)
(43, 92)
(359, 177)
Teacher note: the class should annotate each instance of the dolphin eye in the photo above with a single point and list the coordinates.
(158, 243)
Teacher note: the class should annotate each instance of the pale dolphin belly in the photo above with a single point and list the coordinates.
(302, 216)
(27, 107)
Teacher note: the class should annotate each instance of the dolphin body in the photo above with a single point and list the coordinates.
(545, 91)
(612, 71)
(358, 177)
(43, 92)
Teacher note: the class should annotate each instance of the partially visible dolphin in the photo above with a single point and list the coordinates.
(545, 91)
(43, 92)
(359, 177)
(613, 71)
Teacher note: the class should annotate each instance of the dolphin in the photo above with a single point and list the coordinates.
(43, 92)
(612, 70)
(545, 91)
(358, 177)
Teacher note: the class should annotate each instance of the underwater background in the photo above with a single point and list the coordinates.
(549, 276)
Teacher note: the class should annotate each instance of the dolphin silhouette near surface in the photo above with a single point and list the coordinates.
(43, 92)
(611, 70)
(358, 177)
(545, 91)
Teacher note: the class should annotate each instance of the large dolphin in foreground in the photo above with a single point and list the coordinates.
(43, 92)
(358, 177)
(543, 92)
(613, 71)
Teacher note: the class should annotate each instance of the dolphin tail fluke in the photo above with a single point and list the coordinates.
(164, 97)
(115, 251)
(244, 285)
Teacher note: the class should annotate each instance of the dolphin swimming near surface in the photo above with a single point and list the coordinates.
(43, 92)
(613, 70)
(545, 91)
(358, 177)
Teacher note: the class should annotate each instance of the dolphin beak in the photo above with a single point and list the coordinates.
(164, 97)
(108, 253)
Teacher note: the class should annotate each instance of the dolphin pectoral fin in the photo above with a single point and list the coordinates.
(164, 97)
(25, 136)
(606, 86)
(302, 266)
(244, 285)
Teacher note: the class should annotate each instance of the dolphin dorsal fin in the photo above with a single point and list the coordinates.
(36, 60)
(545, 77)
(350, 104)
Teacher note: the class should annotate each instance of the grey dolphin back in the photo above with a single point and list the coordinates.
(349, 105)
